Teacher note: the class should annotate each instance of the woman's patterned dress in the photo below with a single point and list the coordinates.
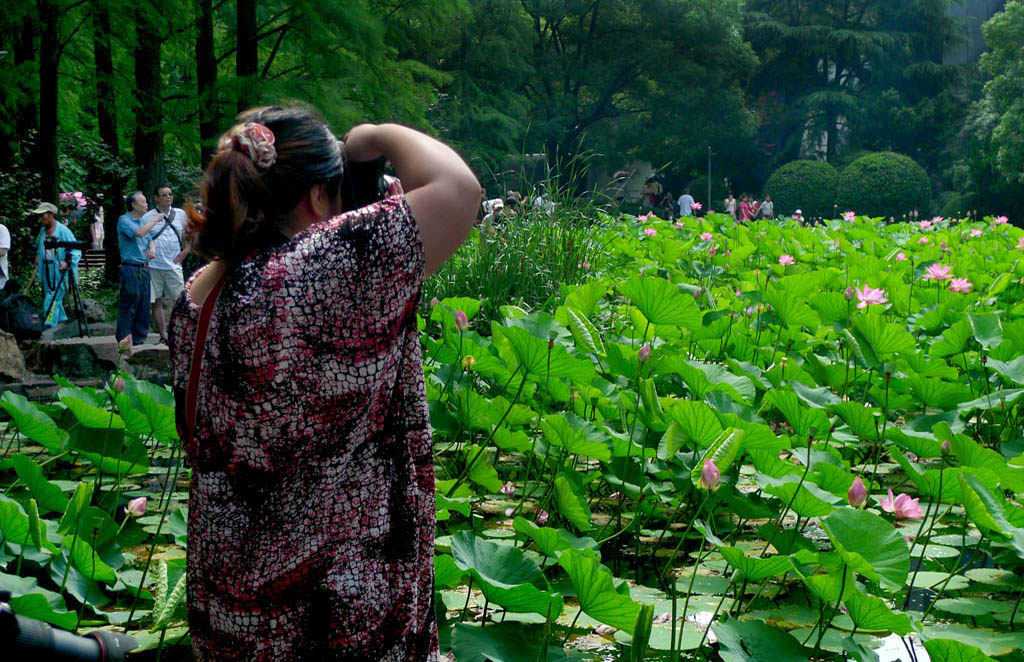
(311, 513)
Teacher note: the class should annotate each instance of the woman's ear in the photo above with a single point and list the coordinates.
(318, 203)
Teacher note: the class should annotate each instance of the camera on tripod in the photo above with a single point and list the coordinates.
(29, 639)
(52, 243)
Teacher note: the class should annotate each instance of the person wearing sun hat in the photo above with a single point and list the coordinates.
(51, 263)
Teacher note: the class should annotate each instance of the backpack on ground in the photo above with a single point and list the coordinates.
(18, 315)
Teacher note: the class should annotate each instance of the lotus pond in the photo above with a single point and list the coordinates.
(763, 442)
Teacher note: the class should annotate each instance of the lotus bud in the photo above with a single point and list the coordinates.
(118, 385)
(644, 354)
(710, 476)
(542, 517)
(946, 450)
(124, 346)
(434, 301)
(468, 362)
(136, 507)
(858, 494)
(461, 323)
(850, 294)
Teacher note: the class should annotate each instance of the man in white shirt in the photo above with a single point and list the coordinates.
(171, 246)
(5, 248)
(686, 203)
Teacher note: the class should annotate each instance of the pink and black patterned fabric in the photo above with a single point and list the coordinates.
(311, 512)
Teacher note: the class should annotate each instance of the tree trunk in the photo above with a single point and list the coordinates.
(26, 120)
(247, 55)
(149, 151)
(110, 182)
(206, 66)
(49, 60)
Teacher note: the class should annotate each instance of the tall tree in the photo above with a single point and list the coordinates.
(106, 118)
(206, 79)
(149, 139)
(49, 61)
(247, 53)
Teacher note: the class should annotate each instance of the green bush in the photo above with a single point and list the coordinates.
(885, 184)
(809, 186)
(699, 191)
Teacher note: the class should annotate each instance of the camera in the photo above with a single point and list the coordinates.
(363, 184)
(51, 243)
(29, 639)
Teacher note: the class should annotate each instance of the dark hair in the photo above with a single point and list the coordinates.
(129, 199)
(157, 190)
(243, 205)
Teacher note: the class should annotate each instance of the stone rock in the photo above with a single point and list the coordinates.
(69, 329)
(94, 311)
(97, 356)
(12, 363)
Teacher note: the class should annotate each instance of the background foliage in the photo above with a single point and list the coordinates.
(809, 186)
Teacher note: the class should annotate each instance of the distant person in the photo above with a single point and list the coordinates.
(170, 248)
(136, 250)
(5, 248)
(651, 194)
(686, 203)
(768, 208)
(798, 216)
(541, 202)
(51, 263)
(96, 231)
(730, 206)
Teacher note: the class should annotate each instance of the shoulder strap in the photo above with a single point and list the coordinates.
(192, 393)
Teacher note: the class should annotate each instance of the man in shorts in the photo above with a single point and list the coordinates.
(171, 246)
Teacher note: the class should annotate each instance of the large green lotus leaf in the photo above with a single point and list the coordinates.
(953, 340)
(987, 328)
(951, 650)
(755, 569)
(109, 449)
(571, 499)
(35, 606)
(974, 606)
(834, 584)
(48, 496)
(989, 512)
(549, 541)
(446, 573)
(467, 305)
(559, 432)
(869, 545)
(586, 335)
(871, 614)
(972, 454)
(661, 302)
(994, 400)
(935, 393)
(863, 421)
(92, 416)
(505, 575)
(818, 397)
(791, 311)
(504, 642)
(802, 418)
(1012, 370)
(756, 641)
(542, 360)
(861, 349)
(31, 422)
(596, 592)
(159, 415)
(481, 471)
(701, 377)
(135, 420)
(885, 338)
(696, 423)
(88, 561)
(474, 411)
(584, 298)
(806, 500)
(78, 503)
(831, 306)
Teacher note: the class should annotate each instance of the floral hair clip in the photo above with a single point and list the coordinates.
(255, 141)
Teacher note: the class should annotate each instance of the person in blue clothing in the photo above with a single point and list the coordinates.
(51, 263)
(136, 250)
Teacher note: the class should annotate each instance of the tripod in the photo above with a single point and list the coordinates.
(68, 274)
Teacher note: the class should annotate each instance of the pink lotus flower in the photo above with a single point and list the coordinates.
(136, 507)
(937, 219)
(461, 323)
(605, 629)
(707, 236)
(509, 489)
(903, 507)
(615, 495)
(696, 206)
(849, 216)
(923, 240)
(869, 296)
(960, 285)
(786, 260)
(738, 292)
(644, 354)
(1020, 243)
(901, 257)
(709, 476)
(1000, 220)
(650, 232)
(643, 217)
(858, 494)
(542, 517)
(925, 224)
(938, 272)
(976, 233)
(680, 225)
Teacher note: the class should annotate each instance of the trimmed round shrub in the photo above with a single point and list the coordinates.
(807, 185)
(699, 191)
(885, 184)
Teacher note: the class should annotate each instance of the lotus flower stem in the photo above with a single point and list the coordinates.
(924, 546)
(785, 511)
(961, 565)
(676, 648)
(682, 539)
(718, 608)
(1016, 606)
(823, 627)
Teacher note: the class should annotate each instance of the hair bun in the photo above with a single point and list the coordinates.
(255, 141)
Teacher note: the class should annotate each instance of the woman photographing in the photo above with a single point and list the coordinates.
(300, 396)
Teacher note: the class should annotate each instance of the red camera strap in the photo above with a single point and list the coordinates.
(192, 393)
